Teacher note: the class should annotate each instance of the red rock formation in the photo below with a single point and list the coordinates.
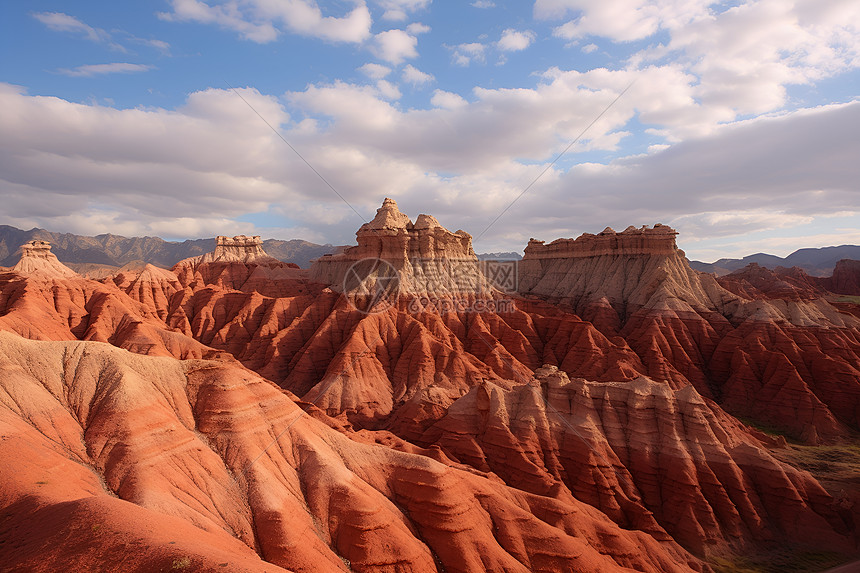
(424, 258)
(688, 329)
(42, 301)
(659, 240)
(757, 282)
(220, 461)
(37, 259)
(845, 278)
(415, 370)
(651, 458)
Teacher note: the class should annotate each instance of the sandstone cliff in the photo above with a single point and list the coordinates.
(37, 259)
(424, 258)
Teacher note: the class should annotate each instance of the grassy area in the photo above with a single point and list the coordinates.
(779, 562)
(837, 467)
(847, 298)
(766, 428)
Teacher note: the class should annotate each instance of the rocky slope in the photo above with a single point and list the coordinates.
(41, 299)
(653, 459)
(123, 447)
(760, 344)
(630, 433)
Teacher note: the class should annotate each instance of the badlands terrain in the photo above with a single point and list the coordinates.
(399, 407)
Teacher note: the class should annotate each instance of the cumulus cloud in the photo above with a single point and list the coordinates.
(448, 100)
(484, 4)
(137, 171)
(375, 71)
(399, 10)
(102, 69)
(465, 54)
(744, 56)
(416, 77)
(417, 28)
(262, 20)
(395, 46)
(620, 20)
(388, 90)
(515, 41)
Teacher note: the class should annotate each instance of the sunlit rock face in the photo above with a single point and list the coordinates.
(37, 259)
(424, 257)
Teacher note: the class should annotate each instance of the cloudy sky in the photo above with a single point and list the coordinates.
(736, 122)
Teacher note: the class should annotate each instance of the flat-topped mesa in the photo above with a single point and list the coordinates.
(625, 271)
(659, 240)
(37, 259)
(422, 253)
(239, 249)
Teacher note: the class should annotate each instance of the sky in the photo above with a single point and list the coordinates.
(737, 123)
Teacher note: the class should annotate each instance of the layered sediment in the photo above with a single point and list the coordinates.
(440, 439)
(423, 257)
(37, 259)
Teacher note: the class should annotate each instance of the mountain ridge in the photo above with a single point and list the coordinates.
(816, 261)
(117, 250)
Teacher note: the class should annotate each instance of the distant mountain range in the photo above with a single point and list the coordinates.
(116, 251)
(816, 262)
(506, 256)
(91, 254)
(112, 251)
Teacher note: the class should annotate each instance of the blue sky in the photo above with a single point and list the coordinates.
(738, 127)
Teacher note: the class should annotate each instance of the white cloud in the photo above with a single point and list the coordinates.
(746, 56)
(417, 28)
(142, 171)
(465, 54)
(102, 69)
(388, 90)
(515, 41)
(620, 20)
(395, 46)
(61, 22)
(262, 20)
(416, 77)
(375, 71)
(743, 58)
(159, 45)
(398, 10)
(484, 4)
(447, 100)
(589, 48)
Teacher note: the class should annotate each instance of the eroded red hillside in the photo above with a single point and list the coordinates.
(203, 463)
(631, 433)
